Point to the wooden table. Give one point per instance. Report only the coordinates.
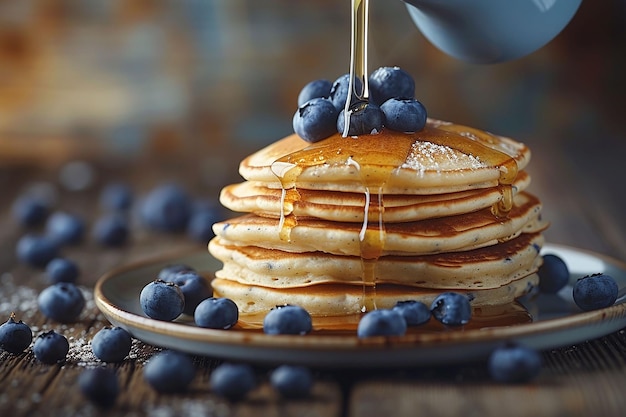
(581, 380)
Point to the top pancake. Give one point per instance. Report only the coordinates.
(442, 158)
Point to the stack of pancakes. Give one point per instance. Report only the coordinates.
(349, 224)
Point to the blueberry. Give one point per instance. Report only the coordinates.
(111, 344)
(30, 210)
(553, 274)
(232, 381)
(195, 289)
(216, 313)
(200, 227)
(166, 208)
(404, 115)
(339, 91)
(292, 381)
(162, 300)
(169, 371)
(100, 386)
(36, 250)
(514, 363)
(390, 82)
(15, 336)
(365, 119)
(170, 271)
(451, 309)
(594, 292)
(314, 89)
(383, 322)
(62, 302)
(111, 230)
(62, 270)
(287, 319)
(315, 120)
(414, 312)
(51, 347)
(116, 197)
(65, 228)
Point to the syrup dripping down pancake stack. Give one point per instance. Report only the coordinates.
(350, 224)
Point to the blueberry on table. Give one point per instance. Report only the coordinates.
(339, 91)
(15, 336)
(169, 371)
(287, 319)
(415, 313)
(162, 300)
(383, 322)
(451, 309)
(111, 230)
(594, 292)
(314, 89)
(365, 119)
(404, 115)
(51, 347)
(168, 272)
(292, 381)
(390, 82)
(514, 363)
(553, 274)
(111, 344)
(200, 226)
(35, 250)
(315, 120)
(30, 210)
(195, 289)
(100, 386)
(65, 228)
(116, 196)
(216, 313)
(166, 208)
(62, 270)
(232, 381)
(62, 302)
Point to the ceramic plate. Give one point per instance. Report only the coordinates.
(556, 321)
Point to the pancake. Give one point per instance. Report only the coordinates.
(454, 233)
(255, 197)
(489, 267)
(339, 299)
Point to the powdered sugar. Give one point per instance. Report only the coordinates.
(428, 156)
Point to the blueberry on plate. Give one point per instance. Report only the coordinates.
(111, 230)
(553, 274)
(62, 302)
(169, 371)
(315, 120)
(168, 272)
(162, 300)
(166, 208)
(35, 250)
(100, 386)
(195, 289)
(390, 82)
(339, 91)
(216, 313)
(15, 336)
(365, 119)
(232, 381)
(287, 319)
(65, 228)
(116, 196)
(404, 115)
(292, 381)
(30, 210)
(51, 347)
(513, 363)
(314, 89)
(62, 270)
(451, 309)
(594, 292)
(111, 344)
(383, 322)
(415, 313)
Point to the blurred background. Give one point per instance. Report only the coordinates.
(189, 87)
